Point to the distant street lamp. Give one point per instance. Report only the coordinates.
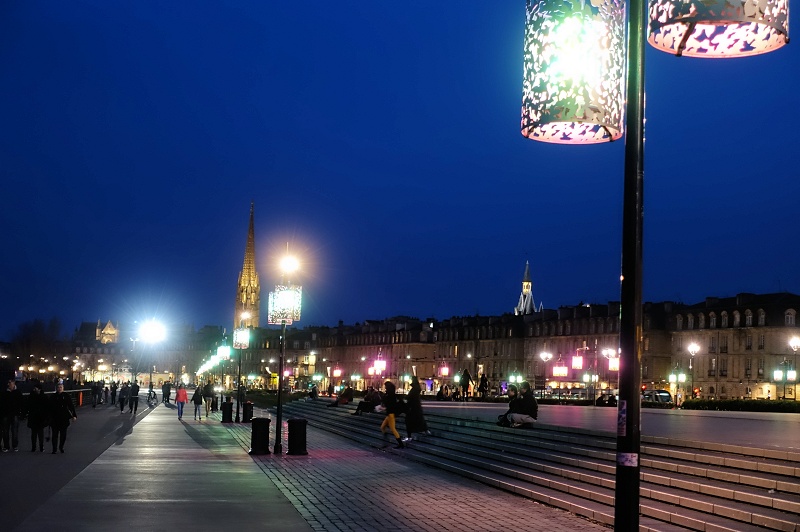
(794, 343)
(284, 309)
(241, 341)
(546, 357)
(152, 332)
(693, 349)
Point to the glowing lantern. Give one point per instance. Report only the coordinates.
(577, 362)
(574, 61)
(718, 28)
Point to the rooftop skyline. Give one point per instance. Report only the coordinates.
(383, 143)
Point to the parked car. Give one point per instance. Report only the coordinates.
(657, 399)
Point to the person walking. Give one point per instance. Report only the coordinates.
(95, 394)
(124, 393)
(181, 398)
(415, 419)
(10, 412)
(62, 411)
(133, 400)
(390, 402)
(197, 400)
(114, 393)
(105, 395)
(483, 387)
(208, 396)
(37, 416)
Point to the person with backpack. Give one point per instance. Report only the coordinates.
(392, 410)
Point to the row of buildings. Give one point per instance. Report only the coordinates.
(729, 347)
(741, 349)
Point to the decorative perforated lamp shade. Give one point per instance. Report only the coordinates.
(285, 304)
(718, 28)
(574, 65)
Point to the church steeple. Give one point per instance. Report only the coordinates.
(526, 304)
(248, 292)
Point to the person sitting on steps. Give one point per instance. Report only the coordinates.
(522, 410)
(371, 400)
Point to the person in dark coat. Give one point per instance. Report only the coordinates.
(483, 387)
(466, 380)
(345, 397)
(502, 419)
(37, 416)
(197, 401)
(133, 399)
(390, 402)
(526, 410)
(11, 410)
(124, 392)
(62, 411)
(415, 420)
(522, 410)
(371, 400)
(114, 393)
(208, 395)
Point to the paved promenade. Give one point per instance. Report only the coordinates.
(156, 473)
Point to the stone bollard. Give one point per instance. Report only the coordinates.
(259, 437)
(297, 436)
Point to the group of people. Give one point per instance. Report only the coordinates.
(523, 410)
(460, 392)
(55, 412)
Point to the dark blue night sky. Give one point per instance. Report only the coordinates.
(381, 140)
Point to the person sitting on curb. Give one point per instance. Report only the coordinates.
(522, 411)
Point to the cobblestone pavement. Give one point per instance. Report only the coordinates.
(343, 486)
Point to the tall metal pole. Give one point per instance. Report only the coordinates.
(239, 386)
(626, 509)
(278, 449)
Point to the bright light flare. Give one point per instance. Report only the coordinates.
(289, 264)
(152, 332)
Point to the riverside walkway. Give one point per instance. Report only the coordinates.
(157, 473)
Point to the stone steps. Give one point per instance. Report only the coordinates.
(685, 487)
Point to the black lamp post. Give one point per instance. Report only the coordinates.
(284, 308)
(563, 102)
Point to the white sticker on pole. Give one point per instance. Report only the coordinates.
(628, 459)
(622, 418)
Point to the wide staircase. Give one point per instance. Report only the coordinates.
(684, 485)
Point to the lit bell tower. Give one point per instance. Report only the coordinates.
(248, 291)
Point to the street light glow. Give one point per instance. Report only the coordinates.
(152, 332)
(289, 264)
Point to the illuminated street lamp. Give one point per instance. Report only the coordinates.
(546, 357)
(152, 332)
(284, 309)
(677, 381)
(693, 349)
(574, 62)
(241, 341)
(794, 343)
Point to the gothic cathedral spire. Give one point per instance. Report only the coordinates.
(248, 292)
(526, 304)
